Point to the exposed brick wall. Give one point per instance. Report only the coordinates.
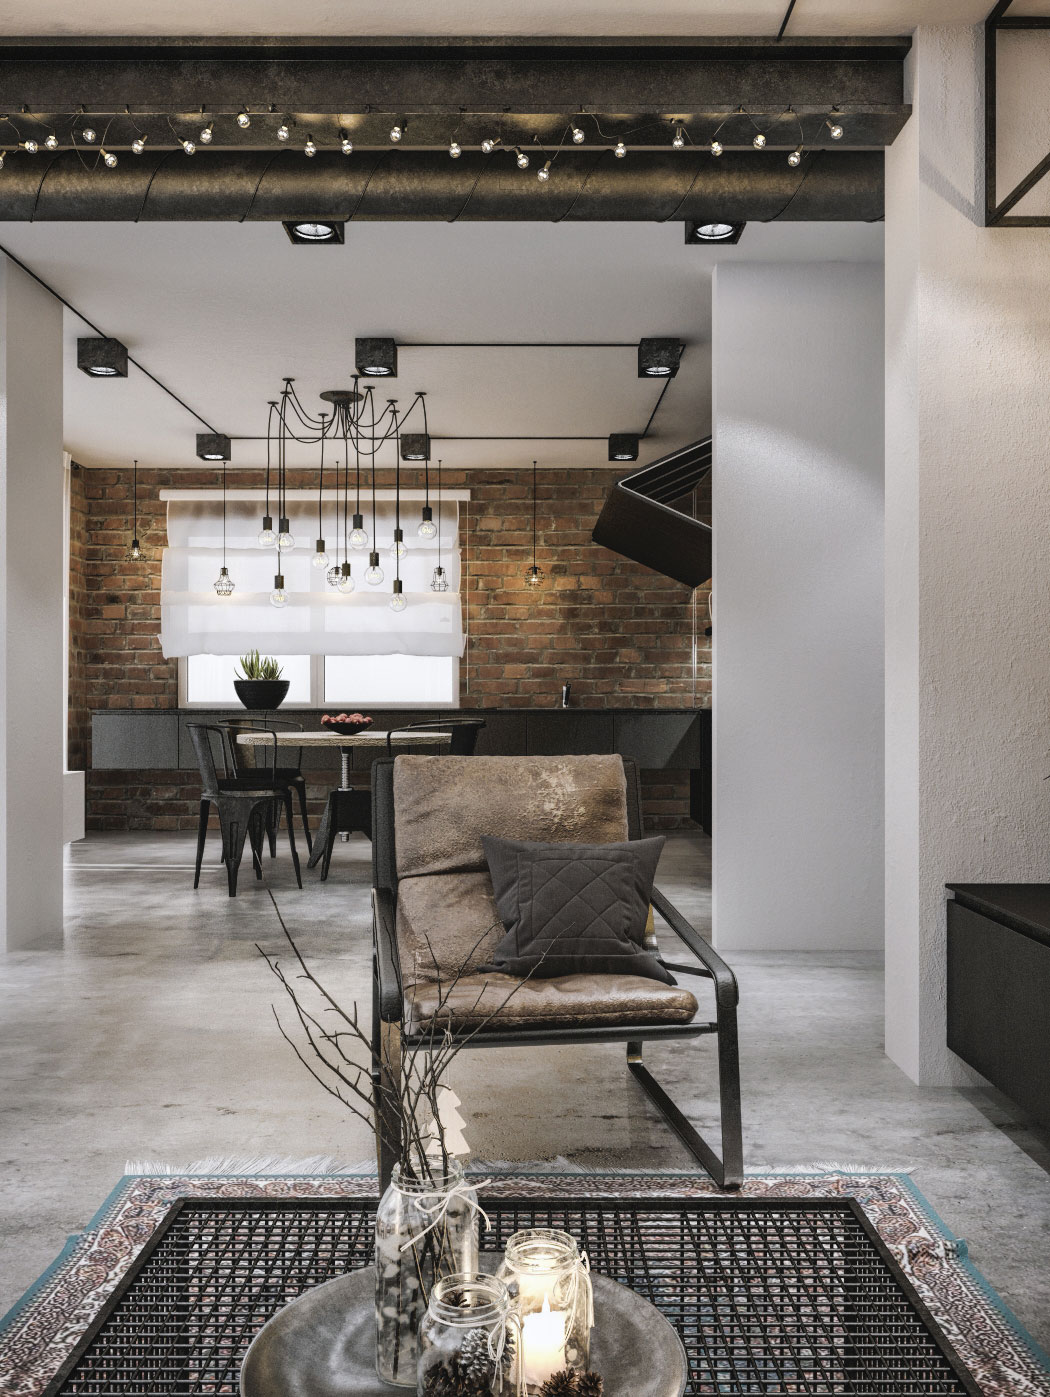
(620, 633)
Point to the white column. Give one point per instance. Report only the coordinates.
(967, 542)
(32, 641)
(797, 509)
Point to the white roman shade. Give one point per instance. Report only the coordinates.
(317, 620)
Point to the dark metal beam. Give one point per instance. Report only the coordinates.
(736, 188)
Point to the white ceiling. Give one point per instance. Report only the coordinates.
(222, 312)
(494, 17)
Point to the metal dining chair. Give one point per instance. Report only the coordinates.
(245, 762)
(246, 806)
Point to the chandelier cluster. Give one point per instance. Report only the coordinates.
(352, 418)
(97, 138)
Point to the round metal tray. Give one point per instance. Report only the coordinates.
(323, 1344)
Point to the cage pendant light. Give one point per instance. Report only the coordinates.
(534, 576)
(224, 582)
(134, 553)
(439, 582)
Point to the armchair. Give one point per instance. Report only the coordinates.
(435, 922)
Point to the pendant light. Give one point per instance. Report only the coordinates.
(398, 600)
(426, 529)
(134, 553)
(358, 537)
(346, 582)
(285, 537)
(224, 582)
(373, 573)
(333, 574)
(267, 537)
(320, 558)
(439, 582)
(534, 576)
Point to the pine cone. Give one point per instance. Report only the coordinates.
(561, 1384)
(589, 1385)
(474, 1356)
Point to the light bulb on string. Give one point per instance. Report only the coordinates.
(521, 159)
(134, 553)
(374, 573)
(455, 150)
(189, 147)
(346, 145)
(489, 144)
(283, 132)
(544, 174)
(396, 133)
(224, 583)
(759, 140)
(427, 529)
(285, 538)
(346, 581)
(30, 147)
(619, 150)
(578, 135)
(2, 154)
(310, 149)
(278, 597)
(109, 159)
(835, 130)
(320, 558)
(138, 145)
(88, 135)
(267, 537)
(51, 141)
(534, 577)
(206, 134)
(716, 147)
(397, 548)
(678, 139)
(795, 158)
(398, 600)
(358, 537)
(243, 119)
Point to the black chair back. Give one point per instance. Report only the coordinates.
(244, 756)
(463, 734)
(201, 735)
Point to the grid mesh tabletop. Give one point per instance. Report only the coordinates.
(786, 1296)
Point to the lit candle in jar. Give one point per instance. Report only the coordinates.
(543, 1343)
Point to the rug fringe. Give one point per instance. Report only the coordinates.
(250, 1164)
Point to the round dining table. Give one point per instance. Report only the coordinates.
(345, 744)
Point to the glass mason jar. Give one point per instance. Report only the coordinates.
(550, 1288)
(468, 1337)
(425, 1229)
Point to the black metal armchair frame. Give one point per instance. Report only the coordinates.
(390, 1039)
(463, 734)
(246, 806)
(282, 775)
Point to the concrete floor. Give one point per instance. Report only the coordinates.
(151, 1037)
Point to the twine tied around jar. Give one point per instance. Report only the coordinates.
(466, 1192)
(574, 1291)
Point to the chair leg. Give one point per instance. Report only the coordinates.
(272, 821)
(234, 832)
(386, 1078)
(330, 834)
(291, 837)
(727, 1172)
(202, 835)
(301, 789)
(256, 834)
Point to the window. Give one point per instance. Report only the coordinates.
(355, 681)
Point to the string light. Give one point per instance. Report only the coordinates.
(455, 150)
(2, 155)
(489, 144)
(346, 145)
(283, 132)
(189, 147)
(108, 157)
(396, 132)
(88, 135)
(206, 134)
(309, 149)
(716, 147)
(51, 141)
(835, 130)
(138, 145)
(521, 159)
(578, 135)
(678, 139)
(795, 158)
(30, 147)
(544, 174)
(759, 140)
(243, 119)
(620, 150)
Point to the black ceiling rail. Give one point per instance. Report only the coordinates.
(997, 212)
(639, 521)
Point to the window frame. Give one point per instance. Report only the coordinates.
(317, 699)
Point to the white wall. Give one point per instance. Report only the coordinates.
(798, 644)
(32, 631)
(967, 543)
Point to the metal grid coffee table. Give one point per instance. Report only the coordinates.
(769, 1296)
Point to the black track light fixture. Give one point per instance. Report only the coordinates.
(623, 446)
(102, 358)
(711, 231)
(659, 358)
(213, 446)
(376, 358)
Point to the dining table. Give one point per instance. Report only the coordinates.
(344, 743)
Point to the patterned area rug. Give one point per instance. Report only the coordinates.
(43, 1328)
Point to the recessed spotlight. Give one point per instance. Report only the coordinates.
(315, 230)
(659, 358)
(213, 446)
(415, 446)
(102, 358)
(376, 358)
(623, 446)
(712, 232)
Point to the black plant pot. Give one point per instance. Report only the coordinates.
(262, 693)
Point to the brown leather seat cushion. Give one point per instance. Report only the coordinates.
(583, 1001)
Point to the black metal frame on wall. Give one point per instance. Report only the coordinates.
(997, 211)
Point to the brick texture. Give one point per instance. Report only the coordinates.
(621, 634)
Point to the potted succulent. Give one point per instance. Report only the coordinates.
(260, 684)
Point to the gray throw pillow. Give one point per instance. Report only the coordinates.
(573, 909)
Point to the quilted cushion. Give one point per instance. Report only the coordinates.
(443, 805)
(502, 1002)
(573, 908)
